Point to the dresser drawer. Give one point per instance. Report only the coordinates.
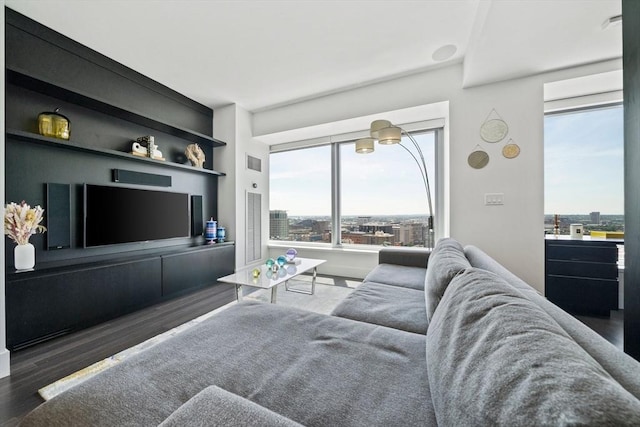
(596, 270)
(581, 252)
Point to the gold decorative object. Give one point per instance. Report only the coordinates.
(511, 150)
(195, 155)
(478, 159)
(493, 129)
(54, 124)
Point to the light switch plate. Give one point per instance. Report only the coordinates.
(494, 199)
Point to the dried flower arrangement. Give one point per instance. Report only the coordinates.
(21, 221)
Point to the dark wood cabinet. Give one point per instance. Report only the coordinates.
(50, 302)
(581, 275)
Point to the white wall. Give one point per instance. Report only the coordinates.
(4, 354)
(232, 124)
(512, 233)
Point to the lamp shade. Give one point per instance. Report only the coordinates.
(364, 145)
(389, 135)
(376, 125)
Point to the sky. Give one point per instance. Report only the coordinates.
(385, 182)
(583, 157)
(583, 172)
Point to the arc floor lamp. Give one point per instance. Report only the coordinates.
(387, 133)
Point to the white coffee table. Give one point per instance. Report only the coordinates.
(270, 280)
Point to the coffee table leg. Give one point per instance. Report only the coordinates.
(274, 292)
(302, 291)
(238, 292)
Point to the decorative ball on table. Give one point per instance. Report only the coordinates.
(281, 260)
(291, 254)
(255, 273)
(270, 262)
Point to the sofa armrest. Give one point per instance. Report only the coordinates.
(214, 406)
(410, 257)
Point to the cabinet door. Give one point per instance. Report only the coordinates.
(191, 270)
(39, 308)
(581, 295)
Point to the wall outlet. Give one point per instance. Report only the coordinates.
(493, 199)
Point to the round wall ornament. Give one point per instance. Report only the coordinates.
(493, 129)
(478, 159)
(511, 150)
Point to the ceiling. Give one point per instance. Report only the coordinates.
(264, 54)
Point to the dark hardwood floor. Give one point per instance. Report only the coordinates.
(38, 366)
(612, 329)
(35, 367)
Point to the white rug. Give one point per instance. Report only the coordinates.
(329, 293)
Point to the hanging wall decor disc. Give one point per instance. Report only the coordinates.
(511, 150)
(494, 130)
(478, 159)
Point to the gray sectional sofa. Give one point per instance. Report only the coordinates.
(442, 338)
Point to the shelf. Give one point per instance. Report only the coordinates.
(75, 97)
(59, 143)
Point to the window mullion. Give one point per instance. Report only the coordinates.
(336, 233)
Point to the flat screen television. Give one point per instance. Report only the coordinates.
(114, 215)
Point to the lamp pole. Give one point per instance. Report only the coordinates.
(387, 134)
(422, 165)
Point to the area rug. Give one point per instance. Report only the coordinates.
(329, 292)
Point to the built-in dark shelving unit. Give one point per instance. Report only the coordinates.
(21, 79)
(62, 144)
(73, 287)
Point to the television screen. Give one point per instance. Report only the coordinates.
(123, 215)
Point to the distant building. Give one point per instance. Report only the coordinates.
(278, 225)
(595, 218)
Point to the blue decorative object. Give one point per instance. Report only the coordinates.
(270, 262)
(222, 234)
(281, 260)
(210, 231)
(291, 254)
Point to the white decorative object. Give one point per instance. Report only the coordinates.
(24, 257)
(21, 221)
(576, 231)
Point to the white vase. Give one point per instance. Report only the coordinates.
(24, 257)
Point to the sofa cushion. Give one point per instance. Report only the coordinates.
(381, 304)
(214, 406)
(495, 358)
(445, 262)
(314, 369)
(398, 275)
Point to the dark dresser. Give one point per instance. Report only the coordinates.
(581, 275)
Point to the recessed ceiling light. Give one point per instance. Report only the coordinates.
(444, 53)
(611, 22)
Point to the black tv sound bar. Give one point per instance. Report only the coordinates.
(131, 177)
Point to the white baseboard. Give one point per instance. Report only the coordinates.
(4, 363)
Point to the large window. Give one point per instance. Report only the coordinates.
(300, 195)
(584, 161)
(381, 195)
